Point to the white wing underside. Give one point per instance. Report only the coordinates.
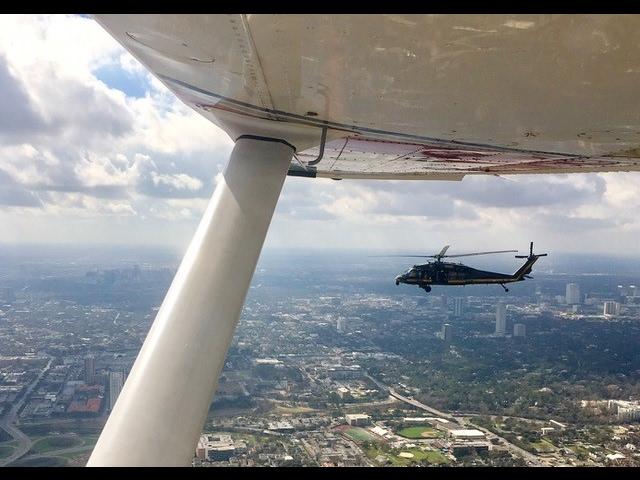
(409, 96)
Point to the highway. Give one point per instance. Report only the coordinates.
(422, 406)
(7, 422)
(411, 401)
(63, 451)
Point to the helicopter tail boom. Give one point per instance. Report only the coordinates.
(525, 269)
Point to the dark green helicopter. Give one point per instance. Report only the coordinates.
(447, 273)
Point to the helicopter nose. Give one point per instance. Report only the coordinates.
(399, 279)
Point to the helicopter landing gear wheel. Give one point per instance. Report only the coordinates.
(397, 283)
(427, 289)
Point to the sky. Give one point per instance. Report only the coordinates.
(95, 150)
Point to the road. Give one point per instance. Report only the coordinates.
(422, 406)
(388, 401)
(7, 422)
(410, 401)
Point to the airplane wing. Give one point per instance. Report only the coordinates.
(409, 96)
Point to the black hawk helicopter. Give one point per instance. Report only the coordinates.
(447, 273)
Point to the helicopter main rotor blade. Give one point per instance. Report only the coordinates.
(437, 255)
(479, 253)
(440, 255)
(405, 256)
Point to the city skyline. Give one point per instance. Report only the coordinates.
(335, 363)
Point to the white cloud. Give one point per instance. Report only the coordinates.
(84, 148)
(180, 181)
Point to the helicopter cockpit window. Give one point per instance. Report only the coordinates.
(412, 273)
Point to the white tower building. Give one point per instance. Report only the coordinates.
(447, 332)
(573, 294)
(611, 308)
(116, 381)
(501, 318)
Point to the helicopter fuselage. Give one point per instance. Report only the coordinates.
(447, 273)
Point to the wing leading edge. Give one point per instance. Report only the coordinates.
(408, 97)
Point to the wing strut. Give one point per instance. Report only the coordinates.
(159, 415)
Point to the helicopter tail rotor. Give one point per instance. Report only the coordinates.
(531, 254)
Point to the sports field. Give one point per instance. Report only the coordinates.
(434, 457)
(419, 432)
(360, 435)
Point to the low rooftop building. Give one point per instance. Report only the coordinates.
(357, 419)
(466, 434)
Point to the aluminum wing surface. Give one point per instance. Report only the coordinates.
(408, 96)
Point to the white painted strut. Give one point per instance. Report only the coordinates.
(160, 413)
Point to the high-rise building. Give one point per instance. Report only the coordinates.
(622, 292)
(447, 332)
(116, 381)
(633, 291)
(90, 370)
(501, 318)
(611, 308)
(444, 302)
(341, 324)
(458, 306)
(519, 330)
(573, 294)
